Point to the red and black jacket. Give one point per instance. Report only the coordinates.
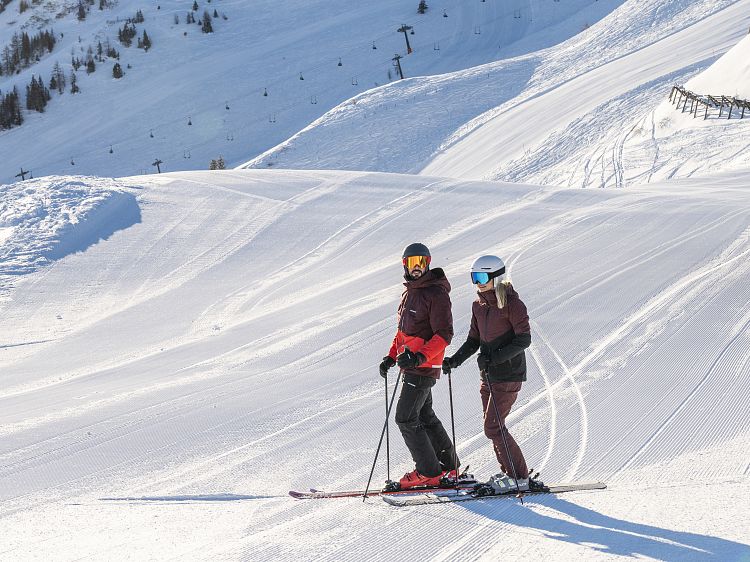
(425, 321)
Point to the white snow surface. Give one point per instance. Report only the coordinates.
(179, 351)
(167, 380)
(729, 75)
(43, 220)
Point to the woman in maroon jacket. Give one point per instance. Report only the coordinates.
(500, 331)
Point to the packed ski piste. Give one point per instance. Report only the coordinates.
(500, 332)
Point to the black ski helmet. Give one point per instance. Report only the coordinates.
(416, 249)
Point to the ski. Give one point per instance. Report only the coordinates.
(466, 494)
(320, 494)
(466, 482)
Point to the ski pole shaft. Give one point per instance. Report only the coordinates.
(501, 423)
(382, 434)
(453, 427)
(387, 432)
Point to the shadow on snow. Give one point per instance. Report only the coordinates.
(610, 535)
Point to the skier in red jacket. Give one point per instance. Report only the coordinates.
(425, 328)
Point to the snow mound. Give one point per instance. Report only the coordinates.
(729, 76)
(42, 220)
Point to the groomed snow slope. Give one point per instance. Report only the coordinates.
(161, 390)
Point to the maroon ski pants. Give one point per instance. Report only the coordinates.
(505, 394)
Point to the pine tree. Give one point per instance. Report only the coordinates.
(146, 41)
(90, 66)
(59, 77)
(195, 5)
(37, 95)
(81, 11)
(10, 110)
(74, 89)
(422, 7)
(117, 71)
(206, 26)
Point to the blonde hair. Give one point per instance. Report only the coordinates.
(501, 292)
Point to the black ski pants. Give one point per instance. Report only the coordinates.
(423, 433)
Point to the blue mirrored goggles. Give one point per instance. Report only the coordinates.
(482, 277)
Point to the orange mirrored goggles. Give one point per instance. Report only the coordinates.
(416, 261)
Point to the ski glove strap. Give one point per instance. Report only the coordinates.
(409, 360)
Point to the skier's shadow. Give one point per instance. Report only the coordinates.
(609, 535)
(188, 498)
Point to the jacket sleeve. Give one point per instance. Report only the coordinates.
(441, 322)
(519, 319)
(393, 351)
(467, 349)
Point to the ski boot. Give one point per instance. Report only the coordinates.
(448, 480)
(501, 483)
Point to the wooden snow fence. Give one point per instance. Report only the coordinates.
(680, 95)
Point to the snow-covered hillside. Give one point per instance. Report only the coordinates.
(163, 387)
(567, 115)
(217, 81)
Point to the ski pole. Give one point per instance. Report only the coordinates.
(453, 427)
(387, 432)
(502, 433)
(382, 433)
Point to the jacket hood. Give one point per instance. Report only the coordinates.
(433, 278)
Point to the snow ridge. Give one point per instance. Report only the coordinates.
(43, 220)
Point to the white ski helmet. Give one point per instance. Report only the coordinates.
(485, 268)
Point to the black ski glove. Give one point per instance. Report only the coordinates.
(449, 364)
(483, 361)
(409, 360)
(386, 364)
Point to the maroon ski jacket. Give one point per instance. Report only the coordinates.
(502, 334)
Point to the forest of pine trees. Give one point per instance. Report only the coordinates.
(24, 50)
